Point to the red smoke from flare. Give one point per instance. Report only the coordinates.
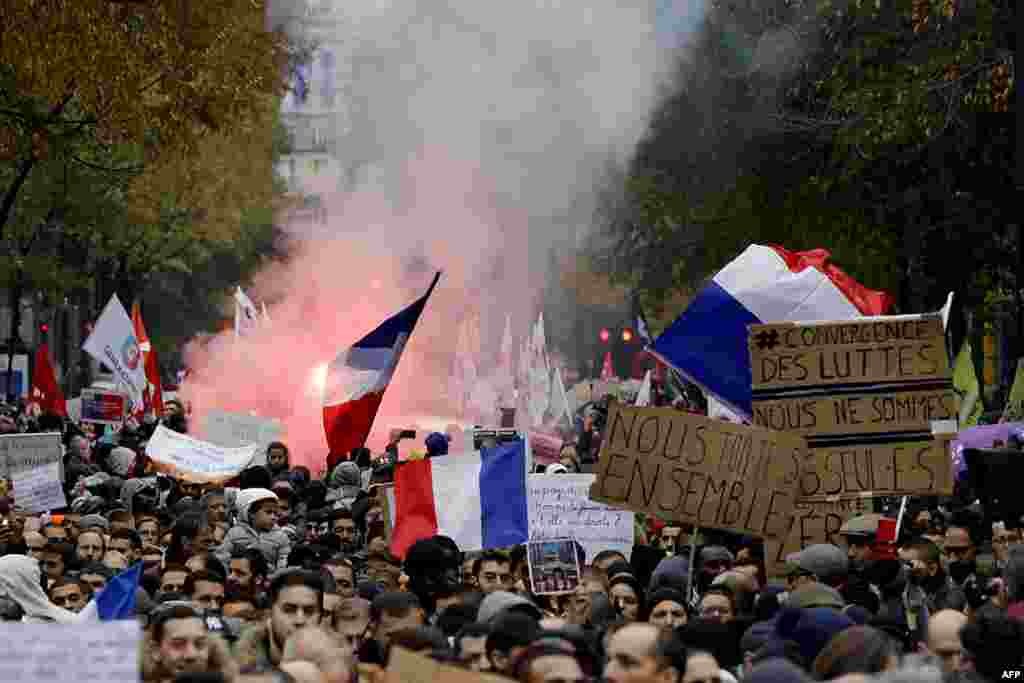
(373, 258)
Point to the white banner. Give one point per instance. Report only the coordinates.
(184, 457)
(39, 489)
(560, 507)
(23, 452)
(113, 343)
(57, 653)
(234, 430)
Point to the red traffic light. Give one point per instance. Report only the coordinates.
(44, 328)
(627, 335)
(605, 335)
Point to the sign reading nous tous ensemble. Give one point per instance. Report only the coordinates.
(688, 468)
(865, 394)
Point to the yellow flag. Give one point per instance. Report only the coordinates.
(1014, 410)
(967, 388)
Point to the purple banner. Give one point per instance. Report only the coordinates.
(983, 436)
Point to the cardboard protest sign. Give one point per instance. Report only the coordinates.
(405, 666)
(559, 507)
(867, 395)
(896, 468)
(692, 469)
(23, 452)
(554, 566)
(103, 407)
(104, 652)
(813, 522)
(184, 457)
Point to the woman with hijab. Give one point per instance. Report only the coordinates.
(21, 580)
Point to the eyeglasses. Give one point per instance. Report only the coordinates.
(715, 611)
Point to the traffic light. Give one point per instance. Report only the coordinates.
(627, 335)
(43, 328)
(605, 335)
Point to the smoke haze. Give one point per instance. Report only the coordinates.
(478, 130)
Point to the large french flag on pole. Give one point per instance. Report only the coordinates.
(708, 342)
(477, 499)
(357, 378)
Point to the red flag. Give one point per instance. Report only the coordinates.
(153, 395)
(45, 390)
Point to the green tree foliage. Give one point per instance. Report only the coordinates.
(855, 126)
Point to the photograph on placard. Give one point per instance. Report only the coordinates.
(554, 566)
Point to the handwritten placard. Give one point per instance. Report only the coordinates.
(39, 489)
(105, 652)
(902, 468)
(856, 352)
(560, 507)
(689, 468)
(20, 452)
(866, 394)
(813, 522)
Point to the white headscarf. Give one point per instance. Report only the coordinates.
(20, 581)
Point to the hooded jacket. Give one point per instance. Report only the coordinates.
(274, 544)
(344, 485)
(20, 578)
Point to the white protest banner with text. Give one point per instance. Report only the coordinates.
(39, 489)
(182, 456)
(234, 430)
(21, 452)
(106, 652)
(560, 507)
(113, 343)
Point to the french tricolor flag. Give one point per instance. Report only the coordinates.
(764, 284)
(477, 499)
(357, 378)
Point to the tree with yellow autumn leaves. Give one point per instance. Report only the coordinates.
(135, 135)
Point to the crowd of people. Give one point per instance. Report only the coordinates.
(281, 576)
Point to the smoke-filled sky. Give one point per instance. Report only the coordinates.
(481, 128)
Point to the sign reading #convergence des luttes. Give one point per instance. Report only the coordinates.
(865, 394)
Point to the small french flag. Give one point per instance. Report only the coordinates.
(357, 378)
(708, 342)
(477, 499)
(117, 599)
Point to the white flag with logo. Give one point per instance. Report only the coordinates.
(643, 396)
(247, 317)
(114, 344)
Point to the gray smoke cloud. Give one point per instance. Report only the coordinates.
(473, 135)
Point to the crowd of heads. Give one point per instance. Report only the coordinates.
(279, 575)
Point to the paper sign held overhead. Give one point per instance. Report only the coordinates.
(709, 473)
(39, 489)
(559, 507)
(23, 452)
(184, 457)
(106, 652)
